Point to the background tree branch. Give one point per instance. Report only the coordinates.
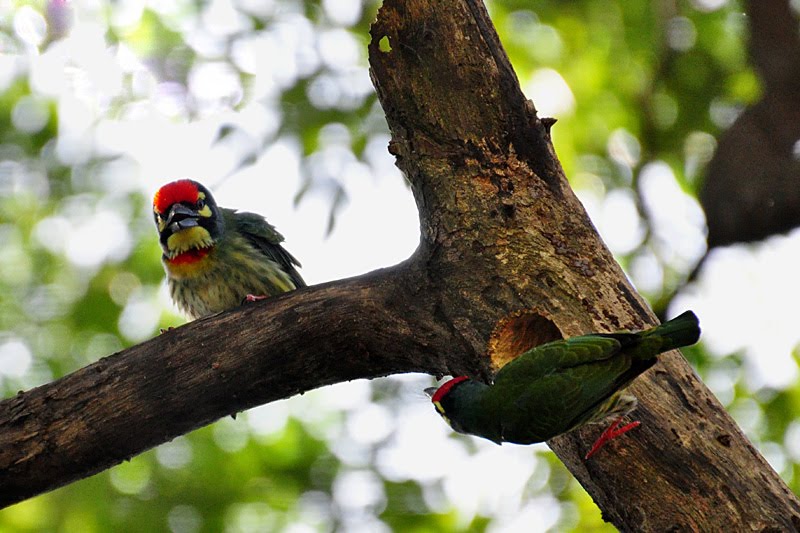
(501, 231)
(752, 187)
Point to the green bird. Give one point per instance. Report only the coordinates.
(556, 387)
(215, 258)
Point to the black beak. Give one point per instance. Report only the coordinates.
(430, 391)
(180, 217)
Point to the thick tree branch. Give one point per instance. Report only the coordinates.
(124, 404)
(501, 231)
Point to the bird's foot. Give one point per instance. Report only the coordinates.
(164, 330)
(253, 298)
(611, 433)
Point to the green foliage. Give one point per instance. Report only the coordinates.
(633, 85)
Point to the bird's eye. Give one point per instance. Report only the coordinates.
(201, 203)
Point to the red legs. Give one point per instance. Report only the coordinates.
(611, 433)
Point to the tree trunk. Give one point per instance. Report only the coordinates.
(501, 232)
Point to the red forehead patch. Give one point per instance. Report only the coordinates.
(444, 389)
(172, 193)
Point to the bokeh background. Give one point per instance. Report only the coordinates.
(269, 103)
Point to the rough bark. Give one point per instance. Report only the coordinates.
(494, 202)
(501, 232)
(378, 324)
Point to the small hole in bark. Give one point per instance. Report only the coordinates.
(384, 45)
(519, 332)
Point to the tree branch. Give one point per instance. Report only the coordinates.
(379, 324)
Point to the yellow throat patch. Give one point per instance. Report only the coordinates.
(188, 239)
(189, 252)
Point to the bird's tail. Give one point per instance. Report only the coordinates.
(683, 330)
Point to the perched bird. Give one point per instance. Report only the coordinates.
(559, 386)
(215, 257)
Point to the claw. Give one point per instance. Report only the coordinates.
(611, 433)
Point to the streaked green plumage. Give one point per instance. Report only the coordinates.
(556, 387)
(221, 255)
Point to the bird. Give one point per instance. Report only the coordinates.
(556, 387)
(216, 258)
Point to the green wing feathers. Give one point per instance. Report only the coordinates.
(557, 386)
(267, 240)
(560, 355)
(557, 356)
